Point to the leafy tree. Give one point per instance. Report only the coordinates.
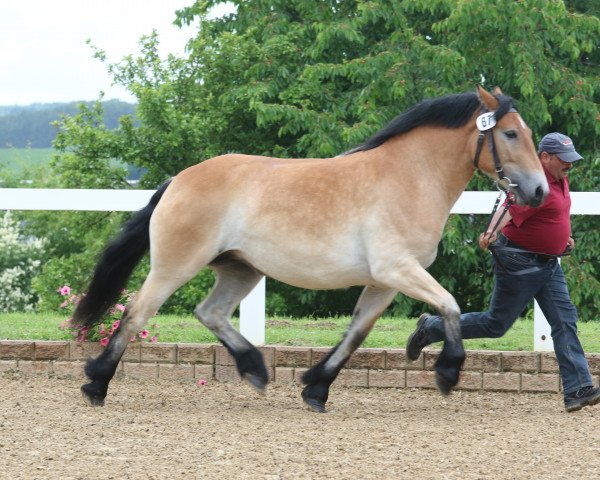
(299, 78)
(547, 58)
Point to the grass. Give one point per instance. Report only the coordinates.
(387, 333)
(19, 159)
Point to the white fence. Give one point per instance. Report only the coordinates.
(252, 309)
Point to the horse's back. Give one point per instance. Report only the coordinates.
(277, 187)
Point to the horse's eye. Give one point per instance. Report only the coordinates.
(511, 134)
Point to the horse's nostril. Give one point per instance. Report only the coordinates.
(540, 194)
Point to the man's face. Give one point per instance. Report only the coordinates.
(555, 166)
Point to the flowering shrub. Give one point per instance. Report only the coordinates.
(20, 261)
(105, 330)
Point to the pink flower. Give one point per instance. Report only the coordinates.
(102, 330)
(83, 334)
(119, 307)
(144, 333)
(64, 290)
(201, 382)
(132, 339)
(110, 331)
(154, 339)
(104, 342)
(116, 324)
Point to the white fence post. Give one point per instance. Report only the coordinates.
(252, 308)
(542, 340)
(252, 314)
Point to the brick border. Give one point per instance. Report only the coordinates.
(368, 367)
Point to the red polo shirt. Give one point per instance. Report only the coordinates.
(545, 229)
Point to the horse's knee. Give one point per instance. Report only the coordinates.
(208, 316)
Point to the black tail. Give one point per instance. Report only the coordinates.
(116, 264)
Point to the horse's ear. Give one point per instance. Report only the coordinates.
(497, 91)
(487, 99)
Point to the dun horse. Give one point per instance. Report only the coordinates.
(373, 216)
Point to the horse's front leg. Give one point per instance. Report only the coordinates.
(412, 279)
(450, 361)
(371, 304)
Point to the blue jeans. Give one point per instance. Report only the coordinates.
(543, 280)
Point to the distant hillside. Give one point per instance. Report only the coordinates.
(22, 126)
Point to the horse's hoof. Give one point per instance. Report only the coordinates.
(314, 404)
(91, 398)
(258, 383)
(443, 385)
(314, 397)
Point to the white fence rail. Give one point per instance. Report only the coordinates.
(252, 309)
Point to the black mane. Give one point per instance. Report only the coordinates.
(452, 111)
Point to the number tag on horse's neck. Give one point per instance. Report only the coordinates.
(485, 121)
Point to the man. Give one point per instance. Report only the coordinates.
(526, 267)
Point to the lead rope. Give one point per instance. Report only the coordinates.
(509, 202)
(492, 248)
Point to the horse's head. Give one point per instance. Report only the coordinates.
(510, 157)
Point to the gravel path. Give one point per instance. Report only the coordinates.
(154, 430)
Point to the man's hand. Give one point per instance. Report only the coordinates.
(486, 238)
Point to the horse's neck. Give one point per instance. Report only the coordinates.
(436, 158)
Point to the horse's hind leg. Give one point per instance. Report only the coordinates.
(371, 304)
(235, 280)
(156, 289)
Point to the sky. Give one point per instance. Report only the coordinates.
(44, 56)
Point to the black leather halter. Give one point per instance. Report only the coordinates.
(503, 181)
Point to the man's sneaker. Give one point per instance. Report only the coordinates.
(581, 398)
(418, 339)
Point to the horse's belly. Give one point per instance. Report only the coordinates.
(322, 271)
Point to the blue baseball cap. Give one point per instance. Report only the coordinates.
(560, 145)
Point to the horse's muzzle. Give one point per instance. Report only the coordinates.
(530, 190)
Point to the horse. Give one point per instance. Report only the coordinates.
(372, 216)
